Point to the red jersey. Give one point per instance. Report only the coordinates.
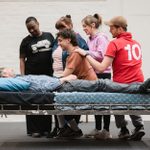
(127, 59)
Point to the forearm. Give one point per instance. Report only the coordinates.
(99, 66)
(22, 66)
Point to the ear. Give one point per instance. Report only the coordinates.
(93, 25)
(69, 40)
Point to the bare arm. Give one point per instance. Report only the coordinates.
(68, 78)
(101, 67)
(22, 66)
(67, 72)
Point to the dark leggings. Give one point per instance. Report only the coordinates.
(106, 118)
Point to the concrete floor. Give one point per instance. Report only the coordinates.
(13, 136)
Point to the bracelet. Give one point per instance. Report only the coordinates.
(86, 54)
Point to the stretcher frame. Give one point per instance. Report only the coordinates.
(54, 108)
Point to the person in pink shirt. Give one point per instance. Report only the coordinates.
(125, 55)
(97, 43)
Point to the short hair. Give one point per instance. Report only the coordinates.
(118, 21)
(31, 18)
(68, 34)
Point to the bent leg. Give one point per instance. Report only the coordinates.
(120, 121)
(137, 120)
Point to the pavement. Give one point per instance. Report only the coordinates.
(13, 136)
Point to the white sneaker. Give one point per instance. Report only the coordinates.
(103, 135)
(91, 133)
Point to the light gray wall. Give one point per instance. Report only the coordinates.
(13, 15)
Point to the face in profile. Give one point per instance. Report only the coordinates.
(63, 43)
(87, 29)
(7, 72)
(33, 28)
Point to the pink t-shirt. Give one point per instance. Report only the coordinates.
(97, 47)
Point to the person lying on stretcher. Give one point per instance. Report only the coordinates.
(9, 81)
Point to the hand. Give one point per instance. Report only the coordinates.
(68, 78)
(81, 51)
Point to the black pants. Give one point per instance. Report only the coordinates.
(106, 118)
(70, 117)
(38, 123)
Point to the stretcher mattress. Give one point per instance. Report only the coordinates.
(102, 100)
(77, 102)
(26, 98)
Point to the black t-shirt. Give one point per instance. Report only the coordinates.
(37, 52)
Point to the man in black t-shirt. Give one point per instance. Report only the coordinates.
(36, 59)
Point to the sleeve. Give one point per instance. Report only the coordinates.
(13, 84)
(55, 45)
(81, 42)
(73, 61)
(99, 49)
(111, 50)
(22, 49)
(52, 40)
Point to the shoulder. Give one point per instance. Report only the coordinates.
(79, 37)
(75, 54)
(27, 38)
(47, 33)
(13, 84)
(102, 36)
(49, 36)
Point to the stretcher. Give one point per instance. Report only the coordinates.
(74, 103)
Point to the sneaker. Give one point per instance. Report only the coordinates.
(137, 134)
(36, 135)
(124, 133)
(145, 86)
(76, 134)
(67, 132)
(53, 133)
(64, 132)
(103, 135)
(92, 133)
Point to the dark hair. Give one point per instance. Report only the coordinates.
(68, 34)
(31, 18)
(124, 28)
(64, 20)
(96, 18)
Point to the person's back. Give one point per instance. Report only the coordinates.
(82, 68)
(127, 59)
